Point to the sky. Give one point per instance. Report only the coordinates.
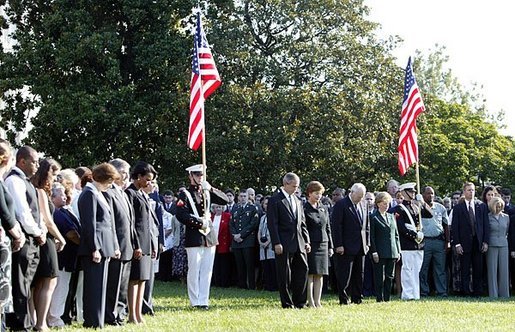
(477, 35)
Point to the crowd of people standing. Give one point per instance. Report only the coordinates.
(87, 244)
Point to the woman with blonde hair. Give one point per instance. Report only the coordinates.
(497, 256)
(385, 246)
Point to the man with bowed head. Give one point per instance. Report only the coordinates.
(290, 238)
(350, 240)
(200, 238)
(470, 232)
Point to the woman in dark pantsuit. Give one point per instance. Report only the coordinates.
(142, 175)
(384, 246)
(319, 228)
(98, 243)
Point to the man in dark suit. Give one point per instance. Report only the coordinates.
(470, 231)
(158, 242)
(243, 226)
(350, 240)
(119, 269)
(290, 238)
(509, 209)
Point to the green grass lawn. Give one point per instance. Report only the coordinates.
(238, 310)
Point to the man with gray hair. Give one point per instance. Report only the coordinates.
(119, 269)
(350, 238)
(290, 238)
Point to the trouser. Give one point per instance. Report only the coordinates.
(117, 287)
(349, 273)
(474, 258)
(383, 278)
(56, 309)
(245, 267)
(148, 302)
(434, 252)
(410, 270)
(498, 274)
(269, 274)
(222, 270)
(292, 278)
(24, 266)
(94, 295)
(200, 269)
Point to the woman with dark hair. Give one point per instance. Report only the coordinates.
(45, 279)
(142, 175)
(319, 228)
(98, 242)
(488, 193)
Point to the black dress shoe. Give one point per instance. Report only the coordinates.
(113, 323)
(203, 307)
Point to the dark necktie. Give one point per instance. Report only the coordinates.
(472, 217)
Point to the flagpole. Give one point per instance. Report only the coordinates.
(204, 168)
(417, 174)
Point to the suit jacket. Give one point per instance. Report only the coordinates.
(244, 221)
(346, 227)
(6, 208)
(384, 236)
(159, 210)
(461, 230)
(142, 220)
(193, 238)
(511, 234)
(123, 216)
(98, 231)
(318, 224)
(498, 230)
(286, 229)
(224, 233)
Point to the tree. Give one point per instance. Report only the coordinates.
(109, 79)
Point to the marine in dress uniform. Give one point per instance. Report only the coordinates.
(411, 238)
(200, 247)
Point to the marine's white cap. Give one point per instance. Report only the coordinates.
(407, 186)
(195, 168)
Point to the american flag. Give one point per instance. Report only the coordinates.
(204, 81)
(412, 106)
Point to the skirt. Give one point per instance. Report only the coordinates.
(318, 258)
(48, 261)
(141, 268)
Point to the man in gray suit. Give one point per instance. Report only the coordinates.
(119, 269)
(290, 238)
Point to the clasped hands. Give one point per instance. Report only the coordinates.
(237, 238)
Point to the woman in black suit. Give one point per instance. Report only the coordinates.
(384, 246)
(142, 175)
(319, 228)
(98, 243)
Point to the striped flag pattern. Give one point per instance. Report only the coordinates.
(412, 106)
(204, 81)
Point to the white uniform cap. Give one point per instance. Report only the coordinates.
(407, 186)
(195, 168)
